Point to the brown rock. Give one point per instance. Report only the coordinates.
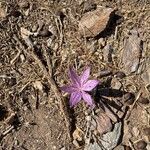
(147, 131)
(115, 84)
(107, 53)
(104, 124)
(44, 33)
(127, 148)
(143, 100)
(92, 23)
(141, 145)
(120, 74)
(132, 53)
(128, 98)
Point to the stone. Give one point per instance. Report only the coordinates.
(94, 22)
(132, 52)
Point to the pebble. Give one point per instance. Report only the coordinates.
(141, 145)
(34, 28)
(120, 75)
(128, 148)
(102, 42)
(22, 58)
(147, 131)
(107, 53)
(143, 100)
(116, 84)
(44, 33)
(129, 98)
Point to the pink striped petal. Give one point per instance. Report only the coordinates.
(89, 85)
(85, 75)
(74, 77)
(87, 98)
(68, 88)
(75, 98)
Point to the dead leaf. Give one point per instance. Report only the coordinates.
(92, 23)
(104, 124)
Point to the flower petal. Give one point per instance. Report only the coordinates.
(75, 98)
(68, 88)
(87, 98)
(89, 85)
(85, 75)
(74, 77)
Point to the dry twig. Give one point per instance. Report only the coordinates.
(48, 76)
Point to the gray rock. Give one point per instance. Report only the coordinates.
(132, 53)
(110, 139)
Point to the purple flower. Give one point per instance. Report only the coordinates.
(79, 87)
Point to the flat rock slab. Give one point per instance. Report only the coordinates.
(132, 53)
(108, 141)
(93, 23)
